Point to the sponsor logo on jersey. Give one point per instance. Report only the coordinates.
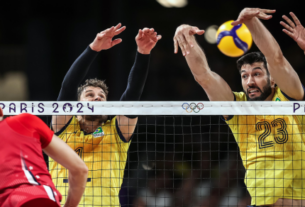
(98, 132)
(277, 99)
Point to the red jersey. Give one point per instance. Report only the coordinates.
(22, 139)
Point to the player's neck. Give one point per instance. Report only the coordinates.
(89, 126)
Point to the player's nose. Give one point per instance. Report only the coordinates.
(97, 98)
(250, 81)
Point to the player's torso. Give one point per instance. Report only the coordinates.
(105, 158)
(262, 137)
(278, 136)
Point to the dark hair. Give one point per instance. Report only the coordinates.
(251, 58)
(94, 83)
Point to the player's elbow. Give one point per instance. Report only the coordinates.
(80, 170)
(203, 80)
(276, 58)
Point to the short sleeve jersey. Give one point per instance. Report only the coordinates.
(272, 148)
(22, 163)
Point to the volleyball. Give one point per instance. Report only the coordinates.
(233, 41)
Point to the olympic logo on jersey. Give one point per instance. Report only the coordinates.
(192, 107)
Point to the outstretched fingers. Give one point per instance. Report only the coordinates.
(120, 30)
(289, 33)
(236, 22)
(264, 16)
(182, 44)
(295, 19)
(264, 13)
(115, 42)
(289, 21)
(268, 11)
(175, 46)
(287, 27)
(140, 34)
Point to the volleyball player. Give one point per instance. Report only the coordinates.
(25, 180)
(270, 146)
(101, 143)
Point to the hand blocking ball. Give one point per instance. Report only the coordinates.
(233, 41)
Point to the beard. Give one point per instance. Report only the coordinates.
(99, 118)
(267, 90)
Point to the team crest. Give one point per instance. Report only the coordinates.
(277, 99)
(98, 132)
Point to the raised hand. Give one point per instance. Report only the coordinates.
(248, 13)
(103, 40)
(146, 40)
(295, 30)
(184, 38)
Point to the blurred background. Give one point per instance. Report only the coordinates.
(39, 40)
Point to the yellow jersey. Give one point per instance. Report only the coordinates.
(272, 148)
(104, 152)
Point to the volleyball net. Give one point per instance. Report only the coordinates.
(183, 153)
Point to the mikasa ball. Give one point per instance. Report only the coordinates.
(233, 41)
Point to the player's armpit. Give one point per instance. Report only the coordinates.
(58, 122)
(127, 126)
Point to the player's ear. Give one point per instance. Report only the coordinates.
(273, 84)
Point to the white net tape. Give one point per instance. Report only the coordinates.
(154, 108)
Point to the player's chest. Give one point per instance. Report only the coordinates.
(268, 131)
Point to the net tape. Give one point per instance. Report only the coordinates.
(154, 108)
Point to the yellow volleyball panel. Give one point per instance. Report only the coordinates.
(228, 47)
(244, 34)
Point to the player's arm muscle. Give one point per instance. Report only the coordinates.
(78, 171)
(280, 69)
(215, 86)
(127, 126)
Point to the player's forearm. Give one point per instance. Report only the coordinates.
(77, 184)
(198, 63)
(76, 74)
(264, 39)
(137, 78)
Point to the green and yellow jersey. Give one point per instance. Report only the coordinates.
(104, 152)
(272, 148)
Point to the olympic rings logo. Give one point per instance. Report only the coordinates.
(192, 107)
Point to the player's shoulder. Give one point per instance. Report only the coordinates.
(240, 96)
(110, 122)
(24, 117)
(279, 95)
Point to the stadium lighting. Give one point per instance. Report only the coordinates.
(173, 3)
(210, 34)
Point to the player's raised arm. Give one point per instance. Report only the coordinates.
(80, 67)
(294, 29)
(146, 40)
(280, 69)
(78, 171)
(216, 87)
